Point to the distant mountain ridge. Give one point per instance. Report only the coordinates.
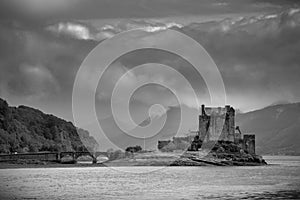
(277, 128)
(25, 129)
(169, 130)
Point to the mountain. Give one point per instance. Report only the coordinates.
(277, 128)
(25, 129)
(158, 131)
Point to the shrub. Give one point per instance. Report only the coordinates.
(134, 149)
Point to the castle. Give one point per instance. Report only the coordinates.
(218, 124)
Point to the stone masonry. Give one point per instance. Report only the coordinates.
(217, 124)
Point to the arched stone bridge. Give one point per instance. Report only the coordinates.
(76, 155)
(52, 156)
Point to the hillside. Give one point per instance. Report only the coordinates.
(24, 129)
(277, 128)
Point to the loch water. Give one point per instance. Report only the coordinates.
(278, 180)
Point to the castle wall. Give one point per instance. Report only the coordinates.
(216, 128)
(217, 124)
(204, 123)
(238, 135)
(249, 143)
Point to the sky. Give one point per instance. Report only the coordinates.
(255, 45)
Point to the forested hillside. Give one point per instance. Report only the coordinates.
(25, 129)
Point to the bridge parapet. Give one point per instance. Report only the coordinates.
(44, 156)
(51, 156)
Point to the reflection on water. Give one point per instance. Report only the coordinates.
(280, 180)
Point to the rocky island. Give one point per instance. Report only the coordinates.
(222, 154)
(218, 141)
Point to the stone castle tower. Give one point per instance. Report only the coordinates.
(218, 124)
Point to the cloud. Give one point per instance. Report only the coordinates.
(78, 31)
(110, 78)
(36, 10)
(81, 31)
(257, 56)
(38, 68)
(33, 83)
(147, 25)
(37, 81)
(85, 31)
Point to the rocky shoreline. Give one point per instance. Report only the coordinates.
(190, 158)
(213, 160)
(222, 154)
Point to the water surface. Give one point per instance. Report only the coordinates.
(279, 180)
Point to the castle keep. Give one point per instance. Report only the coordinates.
(218, 124)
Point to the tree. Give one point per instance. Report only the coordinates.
(134, 149)
(33, 148)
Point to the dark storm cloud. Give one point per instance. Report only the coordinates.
(36, 10)
(257, 56)
(37, 66)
